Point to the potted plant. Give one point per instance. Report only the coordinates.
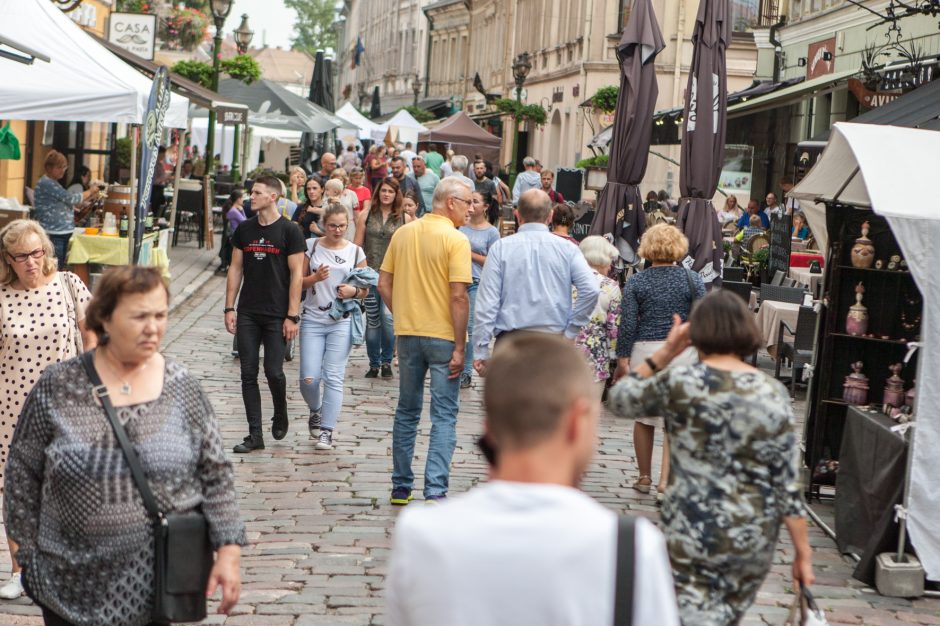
(595, 171)
(760, 260)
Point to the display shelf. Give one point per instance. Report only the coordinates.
(874, 269)
(878, 339)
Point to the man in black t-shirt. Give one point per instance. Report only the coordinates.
(269, 254)
(488, 188)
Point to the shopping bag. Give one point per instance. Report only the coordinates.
(804, 612)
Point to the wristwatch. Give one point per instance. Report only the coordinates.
(294, 318)
(228, 309)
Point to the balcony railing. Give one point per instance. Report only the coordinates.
(769, 13)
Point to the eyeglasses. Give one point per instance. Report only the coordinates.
(469, 202)
(38, 253)
(338, 226)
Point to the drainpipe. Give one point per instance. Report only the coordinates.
(778, 49)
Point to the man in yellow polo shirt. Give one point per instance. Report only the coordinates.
(423, 281)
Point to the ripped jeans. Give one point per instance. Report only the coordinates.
(324, 351)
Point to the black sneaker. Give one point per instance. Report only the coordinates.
(279, 427)
(386, 371)
(313, 424)
(373, 372)
(465, 381)
(250, 444)
(325, 441)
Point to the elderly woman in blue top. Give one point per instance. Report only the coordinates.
(55, 207)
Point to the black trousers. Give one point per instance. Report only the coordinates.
(252, 331)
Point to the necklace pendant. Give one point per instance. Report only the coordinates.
(125, 389)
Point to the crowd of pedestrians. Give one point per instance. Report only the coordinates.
(397, 250)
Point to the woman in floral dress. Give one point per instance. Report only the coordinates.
(734, 456)
(598, 339)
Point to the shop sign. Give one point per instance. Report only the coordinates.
(906, 78)
(821, 58)
(229, 116)
(135, 32)
(736, 172)
(869, 98)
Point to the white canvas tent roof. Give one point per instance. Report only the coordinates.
(893, 171)
(402, 127)
(83, 81)
(349, 113)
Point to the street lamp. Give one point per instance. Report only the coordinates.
(521, 67)
(220, 11)
(416, 88)
(243, 35)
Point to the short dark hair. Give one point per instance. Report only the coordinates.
(115, 283)
(530, 382)
(398, 158)
(562, 215)
(721, 323)
(786, 180)
(271, 182)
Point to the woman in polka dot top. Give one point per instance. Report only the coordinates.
(41, 312)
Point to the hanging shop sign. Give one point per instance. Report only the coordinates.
(871, 99)
(135, 32)
(229, 116)
(821, 58)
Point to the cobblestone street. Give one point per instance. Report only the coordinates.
(320, 523)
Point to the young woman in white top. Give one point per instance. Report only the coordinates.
(324, 342)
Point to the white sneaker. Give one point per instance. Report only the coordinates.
(325, 442)
(13, 589)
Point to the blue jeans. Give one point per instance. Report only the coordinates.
(60, 244)
(416, 356)
(324, 351)
(380, 333)
(468, 351)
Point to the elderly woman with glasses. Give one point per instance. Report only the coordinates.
(42, 321)
(55, 207)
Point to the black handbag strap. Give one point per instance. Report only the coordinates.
(623, 589)
(101, 392)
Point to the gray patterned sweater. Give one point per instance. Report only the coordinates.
(71, 504)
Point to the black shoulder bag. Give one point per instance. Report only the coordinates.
(623, 589)
(183, 553)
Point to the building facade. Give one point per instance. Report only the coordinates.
(394, 36)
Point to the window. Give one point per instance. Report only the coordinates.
(745, 14)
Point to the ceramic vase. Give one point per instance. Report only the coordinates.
(863, 251)
(855, 389)
(894, 387)
(856, 323)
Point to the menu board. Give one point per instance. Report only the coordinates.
(582, 226)
(780, 230)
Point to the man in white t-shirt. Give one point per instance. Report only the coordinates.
(527, 547)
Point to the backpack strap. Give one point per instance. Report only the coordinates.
(623, 589)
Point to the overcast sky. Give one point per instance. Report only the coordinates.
(270, 19)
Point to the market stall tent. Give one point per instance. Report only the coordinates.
(275, 142)
(365, 126)
(893, 171)
(83, 81)
(464, 136)
(401, 128)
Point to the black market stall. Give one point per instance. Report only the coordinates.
(864, 200)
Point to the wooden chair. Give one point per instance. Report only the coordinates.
(800, 351)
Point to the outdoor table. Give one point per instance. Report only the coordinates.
(769, 316)
(802, 259)
(85, 249)
(870, 481)
(803, 276)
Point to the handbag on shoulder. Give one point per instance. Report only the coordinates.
(183, 554)
(804, 612)
(623, 590)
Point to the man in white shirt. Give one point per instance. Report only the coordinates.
(790, 205)
(408, 154)
(527, 547)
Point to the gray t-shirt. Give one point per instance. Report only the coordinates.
(320, 296)
(480, 241)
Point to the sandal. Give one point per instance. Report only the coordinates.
(643, 483)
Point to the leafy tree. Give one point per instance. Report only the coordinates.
(314, 24)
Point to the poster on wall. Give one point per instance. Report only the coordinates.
(736, 173)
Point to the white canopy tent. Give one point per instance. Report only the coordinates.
(893, 171)
(401, 128)
(83, 81)
(275, 142)
(349, 113)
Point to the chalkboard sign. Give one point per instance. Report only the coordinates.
(579, 230)
(780, 231)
